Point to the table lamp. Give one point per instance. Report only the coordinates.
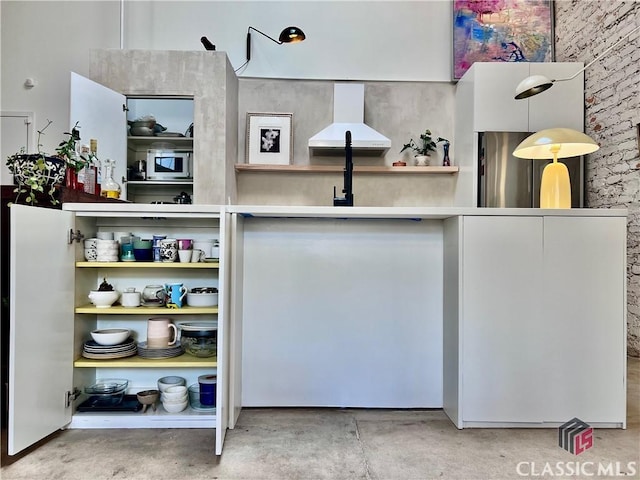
(554, 143)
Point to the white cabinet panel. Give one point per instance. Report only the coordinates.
(501, 319)
(495, 109)
(342, 313)
(41, 319)
(563, 104)
(584, 297)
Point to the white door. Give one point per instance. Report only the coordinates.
(101, 114)
(41, 322)
(501, 327)
(222, 400)
(17, 133)
(584, 292)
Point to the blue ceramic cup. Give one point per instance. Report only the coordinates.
(175, 294)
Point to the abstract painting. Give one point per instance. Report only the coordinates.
(501, 31)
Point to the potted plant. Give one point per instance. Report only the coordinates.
(423, 147)
(40, 172)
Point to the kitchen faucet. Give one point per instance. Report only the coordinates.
(347, 200)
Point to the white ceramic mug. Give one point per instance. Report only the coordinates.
(130, 298)
(185, 255)
(196, 254)
(159, 332)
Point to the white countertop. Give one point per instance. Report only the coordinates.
(287, 211)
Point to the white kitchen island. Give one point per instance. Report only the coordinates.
(503, 317)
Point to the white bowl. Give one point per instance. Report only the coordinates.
(170, 381)
(110, 336)
(174, 407)
(103, 299)
(202, 299)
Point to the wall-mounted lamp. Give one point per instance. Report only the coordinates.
(288, 35)
(207, 44)
(539, 83)
(555, 188)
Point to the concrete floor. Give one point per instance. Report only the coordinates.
(332, 444)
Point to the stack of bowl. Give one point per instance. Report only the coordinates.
(174, 399)
(91, 249)
(173, 393)
(107, 250)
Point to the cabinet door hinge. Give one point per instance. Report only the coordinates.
(124, 108)
(75, 235)
(71, 396)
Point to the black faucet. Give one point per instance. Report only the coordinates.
(347, 200)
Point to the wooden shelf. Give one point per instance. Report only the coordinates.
(185, 360)
(247, 167)
(120, 310)
(199, 265)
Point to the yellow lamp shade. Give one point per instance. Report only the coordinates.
(555, 187)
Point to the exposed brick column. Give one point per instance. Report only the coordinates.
(585, 28)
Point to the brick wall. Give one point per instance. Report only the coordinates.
(584, 29)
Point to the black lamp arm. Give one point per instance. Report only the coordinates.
(249, 40)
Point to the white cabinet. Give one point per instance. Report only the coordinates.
(535, 327)
(47, 335)
(494, 108)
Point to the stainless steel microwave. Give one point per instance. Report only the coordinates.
(169, 164)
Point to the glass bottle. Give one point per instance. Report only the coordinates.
(110, 188)
(88, 172)
(95, 161)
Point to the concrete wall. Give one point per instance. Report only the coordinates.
(398, 110)
(584, 29)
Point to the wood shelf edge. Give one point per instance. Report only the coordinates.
(246, 167)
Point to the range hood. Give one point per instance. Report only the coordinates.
(348, 114)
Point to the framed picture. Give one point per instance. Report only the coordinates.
(269, 138)
(501, 31)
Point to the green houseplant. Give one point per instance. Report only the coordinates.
(40, 172)
(423, 147)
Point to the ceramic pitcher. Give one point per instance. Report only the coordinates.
(175, 294)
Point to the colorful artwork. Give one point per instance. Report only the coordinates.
(501, 31)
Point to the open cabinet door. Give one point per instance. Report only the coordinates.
(101, 114)
(222, 400)
(41, 323)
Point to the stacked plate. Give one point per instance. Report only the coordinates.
(92, 349)
(157, 353)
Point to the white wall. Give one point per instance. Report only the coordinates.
(355, 40)
(364, 40)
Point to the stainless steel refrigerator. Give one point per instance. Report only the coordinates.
(509, 182)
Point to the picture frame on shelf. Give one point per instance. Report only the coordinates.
(269, 139)
(505, 31)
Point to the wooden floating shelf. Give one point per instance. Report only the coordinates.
(199, 265)
(120, 310)
(183, 360)
(247, 167)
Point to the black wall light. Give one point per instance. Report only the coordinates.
(288, 35)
